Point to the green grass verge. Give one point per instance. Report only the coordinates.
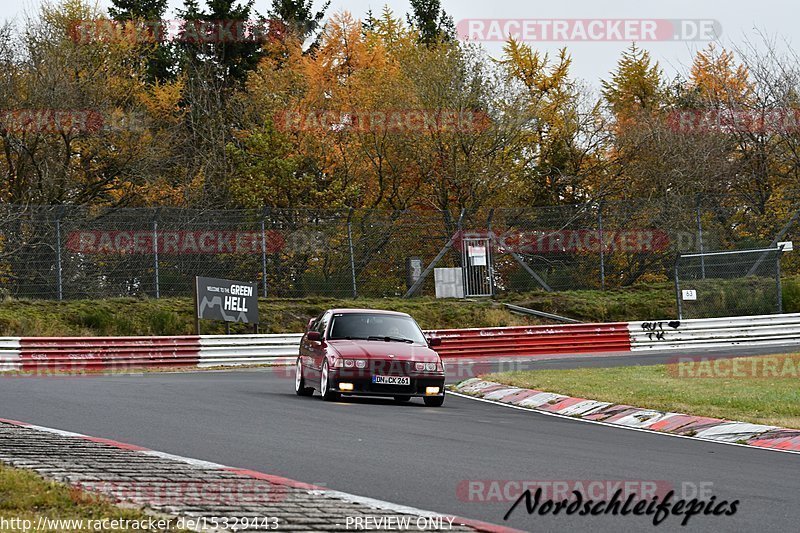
(27, 496)
(763, 400)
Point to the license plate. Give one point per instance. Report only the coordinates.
(391, 380)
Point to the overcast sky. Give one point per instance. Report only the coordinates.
(738, 19)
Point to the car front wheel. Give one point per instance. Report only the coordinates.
(300, 382)
(324, 385)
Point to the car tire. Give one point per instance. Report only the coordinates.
(402, 399)
(434, 401)
(327, 395)
(300, 381)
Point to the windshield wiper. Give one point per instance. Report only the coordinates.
(388, 338)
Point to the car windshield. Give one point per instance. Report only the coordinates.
(367, 326)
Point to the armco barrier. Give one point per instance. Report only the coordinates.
(762, 330)
(533, 340)
(9, 353)
(216, 350)
(99, 353)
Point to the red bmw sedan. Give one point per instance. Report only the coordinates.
(369, 353)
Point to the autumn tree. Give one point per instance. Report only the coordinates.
(431, 22)
(155, 50)
(88, 136)
(222, 40)
(299, 19)
(635, 85)
(716, 78)
(564, 131)
(767, 160)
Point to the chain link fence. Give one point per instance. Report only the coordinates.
(68, 252)
(735, 283)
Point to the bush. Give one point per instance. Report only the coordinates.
(791, 295)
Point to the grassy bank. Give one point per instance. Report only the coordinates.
(763, 400)
(26, 496)
(657, 300)
(173, 316)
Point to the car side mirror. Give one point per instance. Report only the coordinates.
(314, 336)
(434, 341)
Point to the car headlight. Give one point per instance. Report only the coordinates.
(350, 363)
(430, 367)
(419, 367)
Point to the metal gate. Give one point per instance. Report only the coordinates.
(477, 266)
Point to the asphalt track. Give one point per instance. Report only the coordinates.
(410, 454)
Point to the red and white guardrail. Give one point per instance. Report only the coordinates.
(99, 353)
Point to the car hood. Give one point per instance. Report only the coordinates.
(360, 349)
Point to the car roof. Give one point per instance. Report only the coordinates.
(370, 311)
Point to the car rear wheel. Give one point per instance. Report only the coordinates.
(434, 401)
(327, 395)
(300, 382)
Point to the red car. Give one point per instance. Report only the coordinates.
(370, 353)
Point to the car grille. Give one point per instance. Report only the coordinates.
(390, 367)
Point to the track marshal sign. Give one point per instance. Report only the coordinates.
(226, 300)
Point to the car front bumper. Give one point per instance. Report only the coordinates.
(363, 385)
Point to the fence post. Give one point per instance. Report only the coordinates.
(778, 279)
(678, 288)
(352, 255)
(155, 253)
(489, 253)
(264, 250)
(602, 252)
(700, 238)
(59, 270)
